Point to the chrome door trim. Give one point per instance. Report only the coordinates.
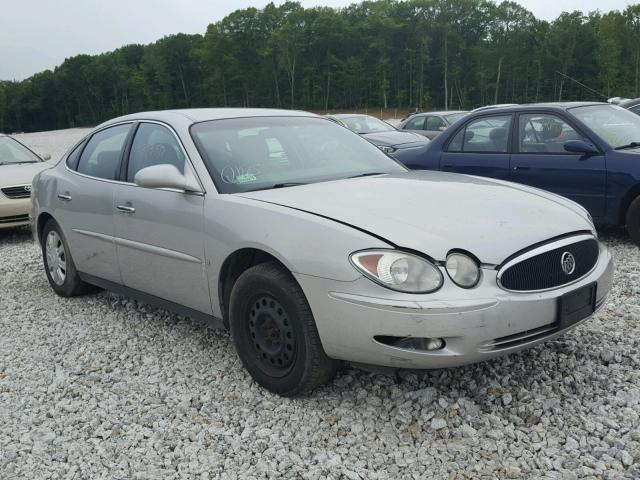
(165, 252)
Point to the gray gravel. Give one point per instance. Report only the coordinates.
(104, 387)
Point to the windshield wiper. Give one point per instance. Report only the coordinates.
(368, 174)
(288, 184)
(628, 145)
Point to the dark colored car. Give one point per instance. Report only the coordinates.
(404, 146)
(586, 151)
(431, 124)
(632, 105)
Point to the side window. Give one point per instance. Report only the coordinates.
(416, 123)
(483, 135)
(635, 109)
(101, 156)
(154, 145)
(542, 133)
(434, 123)
(74, 156)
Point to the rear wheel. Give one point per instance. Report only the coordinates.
(633, 221)
(58, 264)
(274, 332)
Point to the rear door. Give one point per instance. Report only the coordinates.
(480, 147)
(85, 201)
(540, 160)
(159, 232)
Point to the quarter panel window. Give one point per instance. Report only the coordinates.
(434, 123)
(154, 145)
(72, 159)
(483, 135)
(544, 133)
(415, 124)
(101, 156)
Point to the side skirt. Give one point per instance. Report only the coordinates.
(176, 308)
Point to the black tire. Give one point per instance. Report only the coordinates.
(72, 285)
(275, 334)
(633, 221)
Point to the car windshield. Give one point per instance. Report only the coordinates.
(365, 124)
(454, 117)
(12, 151)
(259, 153)
(615, 125)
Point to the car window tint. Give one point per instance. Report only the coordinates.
(483, 135)
(415, 124)
(635, 109)
(72, 158)
(101, 156)
(544, 134)
(154, 145)
(434, 123)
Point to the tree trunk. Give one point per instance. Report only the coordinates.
(446, 85)
(495, 97)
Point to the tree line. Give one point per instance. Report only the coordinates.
(376, 54)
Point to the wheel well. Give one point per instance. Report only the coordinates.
(628, 198)
(232, 268)
(42, 220)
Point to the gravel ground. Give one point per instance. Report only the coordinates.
(104, 387)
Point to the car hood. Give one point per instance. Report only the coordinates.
(20, 173)
(434, 212)
(396, 139)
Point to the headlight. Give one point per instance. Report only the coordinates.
(463, 270)
(400, 271)
(387, 149)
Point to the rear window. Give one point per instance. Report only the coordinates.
(101, 156)
(483, 135)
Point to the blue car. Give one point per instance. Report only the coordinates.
(403, 146)
(586, 151)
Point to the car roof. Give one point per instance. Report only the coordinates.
(629, 102)
(195, 115)
(537, 106)
(439, 112)
(348, 115)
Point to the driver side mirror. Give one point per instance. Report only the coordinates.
(45, 156)
(165, 176)
(580, 146)
(442, 128)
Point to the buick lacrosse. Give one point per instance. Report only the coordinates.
(312, 246)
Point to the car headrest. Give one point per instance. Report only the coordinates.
(498, 133)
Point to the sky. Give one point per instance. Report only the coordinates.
(36, 35)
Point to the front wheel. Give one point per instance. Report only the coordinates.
(274, 332)
(633, 221)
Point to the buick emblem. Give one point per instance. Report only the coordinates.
(568, 262)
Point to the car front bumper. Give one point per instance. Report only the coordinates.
(14, 212)
(476, 324)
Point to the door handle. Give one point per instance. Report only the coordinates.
(522, 167)
(126, 208)
(447, 165)
(65, 197)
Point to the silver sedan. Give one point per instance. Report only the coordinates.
(312, 246)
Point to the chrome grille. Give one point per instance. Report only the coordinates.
(20, 191)
(542, 267)
(14, 219)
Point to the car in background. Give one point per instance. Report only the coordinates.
(631, 104)
(18, 166)
(588, 152)
(431, 124)
(330, 251)
(403, 146)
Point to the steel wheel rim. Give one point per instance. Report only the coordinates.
(271, 335)
(56, 258)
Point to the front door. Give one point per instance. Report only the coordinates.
(540, 160)
(159, 232)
